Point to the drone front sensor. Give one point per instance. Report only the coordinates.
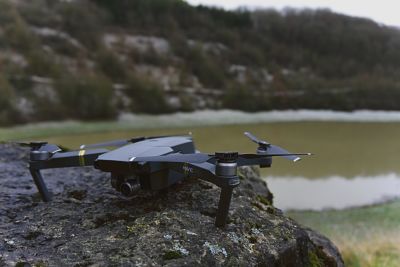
(155, 163)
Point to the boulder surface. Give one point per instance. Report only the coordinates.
(88, 223)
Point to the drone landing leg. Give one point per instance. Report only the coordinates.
(41, 186)
(223, 206)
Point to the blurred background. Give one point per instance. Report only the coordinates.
(311, 76)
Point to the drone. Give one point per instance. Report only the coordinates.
(155, 163)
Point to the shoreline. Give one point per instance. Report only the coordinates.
(129, 121)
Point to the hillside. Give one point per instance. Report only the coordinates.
(92, 59)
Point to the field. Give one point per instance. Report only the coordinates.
(367, 236)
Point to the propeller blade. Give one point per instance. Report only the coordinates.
(31, 144)
(178, 158)
(24, 144)
(290, 156)
(255, 139)
(257, 156)
(272, 149)
(42, 146)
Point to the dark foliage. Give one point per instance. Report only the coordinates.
(316, 58)
(146, 96)
(110, 65)
(86, 97)
(240, 98)
(8, 113)
(82, 20)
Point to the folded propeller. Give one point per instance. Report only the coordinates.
(34, 144)
(265, 150)
(42, 146)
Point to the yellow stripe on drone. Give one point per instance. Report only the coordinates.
(82, 157)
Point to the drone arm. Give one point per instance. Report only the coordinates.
(254, 161)
(59, 160)
(68, 159)
(204, 171)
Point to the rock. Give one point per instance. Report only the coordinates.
(174, 228)
(327, 251)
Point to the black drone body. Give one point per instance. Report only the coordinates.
(155, 163)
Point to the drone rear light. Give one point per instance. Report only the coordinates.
(297, 159)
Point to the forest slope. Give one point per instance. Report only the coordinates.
(92, 59)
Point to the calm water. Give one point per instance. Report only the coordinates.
(356, 159)
(343, 149)
(298, 193)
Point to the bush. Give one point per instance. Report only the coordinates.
(46, 109)
(146, 96)
(19, 36)
(7, 12)
(110, 65)
(240, 98)
(206, 68)
(86, 97)
(83, 21)
(62, 46)
(41, 64)
(8, 113)
(39, 13)
(150, 57)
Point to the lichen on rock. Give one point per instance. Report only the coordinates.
(88, 223)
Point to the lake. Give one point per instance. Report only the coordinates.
(350, 149)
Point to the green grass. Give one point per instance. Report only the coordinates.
(368, 236)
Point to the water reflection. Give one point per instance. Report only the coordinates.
(297, 193)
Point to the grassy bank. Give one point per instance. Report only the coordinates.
(367, 236)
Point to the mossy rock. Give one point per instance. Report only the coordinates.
(174, 228)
